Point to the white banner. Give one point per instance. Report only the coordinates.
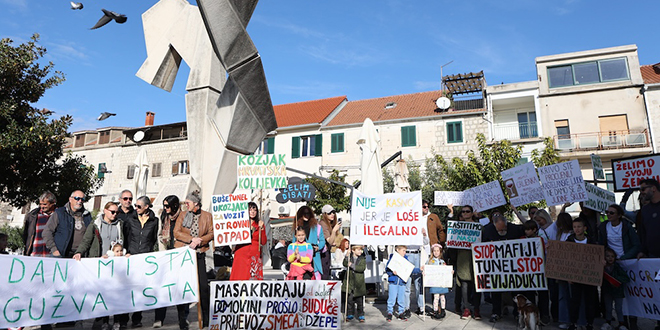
(37, 290)
(628, 172)
(457, 198)
(641, 293)
(261, 171)
(513, 265)
(401, 266)
(438, 276)
(231, 219)
(275, 305)
(563, 183)
(599, 199)
(487, 196)
(522, 184)
(389, 219)
(462, 234)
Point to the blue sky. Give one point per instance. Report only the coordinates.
(317, 49)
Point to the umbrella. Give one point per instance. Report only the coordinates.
(141, 173)
(369, 142)
(401, 184)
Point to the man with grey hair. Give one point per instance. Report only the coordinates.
(34, 224)
(66, 227)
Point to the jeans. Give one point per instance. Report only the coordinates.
(471, 299)
(396, 293)
(618, 304)
(564, 302)
(417, 280)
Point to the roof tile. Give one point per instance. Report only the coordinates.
(651, 73)
(308, 112)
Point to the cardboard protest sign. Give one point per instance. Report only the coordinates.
(401, 266)
(563, 183)
(513, 265)
(597, 165)
(275, 305)
(36, 291)
(641, 298)
(261, 171)
(522, 184)
(297, 190)
(462, 234)
(628, 172)
(458, 198)
(574, 262)
(231, 221)
(599, 199)
(438, 276)
(487, 196)
(388, 219)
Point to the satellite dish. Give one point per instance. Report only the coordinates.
(138, 136)
(443, 103)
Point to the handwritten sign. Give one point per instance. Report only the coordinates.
(275, 305)
(563, 183)
(231, 221)
(36, 291)
(387, 219)
(641, 292)
(597, 165)
(574, 262)
(452, 197)
(599, 199)
(261, 171)
(438, 276)
(628, 172)
(522, 184)
(514, 265)
(297, 190)
(487, 196)
(462, 234)
(401, 266)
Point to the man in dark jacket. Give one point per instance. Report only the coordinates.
(34, 224)
(66, 227)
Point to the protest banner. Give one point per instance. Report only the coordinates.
(438, 276)
(513, 265)
(389, 219)
(462, 234)
(598, 199)
(297, 190)
(231, 221)
(563, 183)
(36, 291)
(458, 198)
(574, 262)
(628, 172)
(274, 305)
(597, 165)
(487, 196)
(522, 184)
(641, 298)
(261, 171)
(401, 266)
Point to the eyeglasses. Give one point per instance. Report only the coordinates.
(332, 212)
(138, 206)
(466, 211)
(127, 198)
(112, 212)
(611, 212)
(425, 206)
(78, 198)
(166, 206)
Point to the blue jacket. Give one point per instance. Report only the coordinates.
(394, 279)
(64, 232)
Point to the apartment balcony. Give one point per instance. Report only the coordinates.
(515, 131)
(613, 141)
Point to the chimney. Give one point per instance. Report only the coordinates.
(149, 121)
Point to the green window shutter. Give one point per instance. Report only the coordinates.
(408, 136)
(318, 148)
(337, 144)
(454, 132)
(99, 173)
(295, 147)
(271, 146)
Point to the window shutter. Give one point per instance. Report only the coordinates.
(271, 146)
(99, 173)
(340, 142)
(459, 132)
(175, 168)
(319, 145)
(295, 147)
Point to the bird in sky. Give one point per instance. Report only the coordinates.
(109, 16)
(76, 5)
(105, 115)
(46, 112)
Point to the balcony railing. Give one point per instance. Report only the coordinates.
(602, 140)
(468, 104)
(515, 131)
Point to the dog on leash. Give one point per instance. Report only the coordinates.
(528, 313)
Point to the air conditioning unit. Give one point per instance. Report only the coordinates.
(283, 210)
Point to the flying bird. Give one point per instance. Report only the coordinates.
(76, 5)
(105, 115)
(109, 16)
(46, 112)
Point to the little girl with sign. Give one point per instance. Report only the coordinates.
(438, 293)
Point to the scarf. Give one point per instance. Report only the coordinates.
(188, 219)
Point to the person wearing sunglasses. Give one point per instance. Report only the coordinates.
(618, 234)
(66, 227)
(333, 237)
(126, 212)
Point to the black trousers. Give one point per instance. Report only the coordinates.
(204, 290)
(587, 292)
(182, 310)
(353, 302)
(326, 259)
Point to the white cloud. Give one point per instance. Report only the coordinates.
(67, 50)
(17, 4)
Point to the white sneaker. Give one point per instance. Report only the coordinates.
(606, 326)
(563, 326)
(158, 324)
(622, 327)
(115, 326)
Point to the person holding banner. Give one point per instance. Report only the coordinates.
(247, 263)
(314, 236)
(34, 224)
(195, 230)
(582, 294)
(437, 292)
(619, 235)
(437, 233)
